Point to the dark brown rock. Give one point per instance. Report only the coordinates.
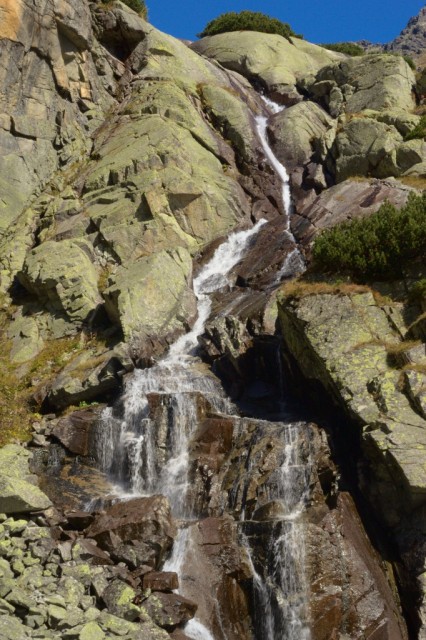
(161, 581)
(79, 520)
(74, 431)
(144, 524)
(215, 569)
(169, 610)
(351, 592)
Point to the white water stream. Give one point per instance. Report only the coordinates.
(293, 263)
(283, 595)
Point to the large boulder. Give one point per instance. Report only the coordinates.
(144, 524)
(63, 277)
(375, 81)
(300, 131)
(365, 147)
(18, 490)
(152, 297)
(269, 59)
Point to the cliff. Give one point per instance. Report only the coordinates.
(127, 158)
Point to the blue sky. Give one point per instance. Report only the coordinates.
(317, 20)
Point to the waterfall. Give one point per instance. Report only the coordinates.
(127, 448)
(293, 264)
(145, 449)
(262, 126)
(279, 588)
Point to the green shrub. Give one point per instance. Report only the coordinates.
(247, 21)
(410, 62)
(419, 130)
(350, 48)
(377, 245)
(137, 5)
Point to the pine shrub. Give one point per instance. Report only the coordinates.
(350, 48)
(137, 5)
(375, 246)
(247, 21)
(419, 130)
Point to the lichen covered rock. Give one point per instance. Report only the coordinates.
(18, 490)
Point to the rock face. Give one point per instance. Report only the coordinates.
(126, 157)
(349, 345)
(346, 201)
(139, 526)
(373, 81)
(274, 62)
(411, 41)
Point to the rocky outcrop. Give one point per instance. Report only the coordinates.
(365, 147)
(275, 63)
(139, 531)
(300, 132)
(346, 201)
(351, 346)
(153, 296)
(411, 41)
(372, 81)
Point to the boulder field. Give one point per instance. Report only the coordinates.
(126, 158)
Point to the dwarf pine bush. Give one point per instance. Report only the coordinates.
(137, 5)
(350, 48)
(247, 21)
(375, 246)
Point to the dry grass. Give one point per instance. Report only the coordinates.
(417, 321)
(391, 348)
(415, 366)
(417, 182)
(300, 289)
(394, 348)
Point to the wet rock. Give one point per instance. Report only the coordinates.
(169, 610)
(265, 263)
(147, 520)
(161, 581)
(214, 551)
(349, 589)
(75, 431)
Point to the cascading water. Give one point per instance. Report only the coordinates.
(127, 447)
(293, 263)
(281, 593)
(145, 458)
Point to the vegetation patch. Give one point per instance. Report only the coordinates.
(297, 289)
(137, 5)
(349, 48)
(248, 21)
(419, 130)
(375, 246)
